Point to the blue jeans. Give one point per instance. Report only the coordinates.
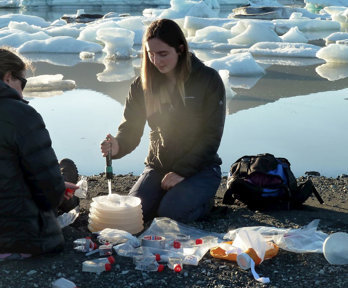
(185, 202)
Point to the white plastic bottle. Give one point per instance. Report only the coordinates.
(104, 260)
(84, 244)
(91, 266)
(63, 283)
(147, 263)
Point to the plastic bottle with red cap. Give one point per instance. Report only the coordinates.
(148, 263)
(175, 264)
(85, 244)
(63, 283)
(95, 266)
(105, 260)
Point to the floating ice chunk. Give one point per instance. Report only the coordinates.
(192, 24)
(324, 3)
(24, 26)
(294, 35)
(241, 64)
(118, 42)
(182, 8)
(90, 32)
(336, 36)
(333, 71)
(333, 10)
(60, 44)
(19, 38)
(31, 20)
(337, 53)
(49, 83)
(283, 49)
(65, 30)
(341, 17)
(282, 25)
(86, 55)
(255, 33)
(225, 74)
(212, 34)
(136, 25)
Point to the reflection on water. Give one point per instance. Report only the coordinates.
(308, 130)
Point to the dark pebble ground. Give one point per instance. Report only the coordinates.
(287, 269)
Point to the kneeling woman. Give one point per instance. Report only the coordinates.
(183, 102)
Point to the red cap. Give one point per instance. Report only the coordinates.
(199, 241)
(177, 268)
(93, 245)
(111, 259)
(176, 244)
(160, 268)
(88, 237)
(107, 267)
(158, 257)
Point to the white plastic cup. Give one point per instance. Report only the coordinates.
(335, 248)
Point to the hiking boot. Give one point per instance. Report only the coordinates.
(69, 170)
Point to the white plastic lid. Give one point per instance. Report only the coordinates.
(335, 248)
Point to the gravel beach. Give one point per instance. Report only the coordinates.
(287, 269)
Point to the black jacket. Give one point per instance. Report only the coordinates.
(31, 185)
(183, 138)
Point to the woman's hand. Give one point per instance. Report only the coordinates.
(70, 190)
(105, 145)
(170, 180)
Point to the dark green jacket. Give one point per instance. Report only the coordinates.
(31, 185)
(183, 138)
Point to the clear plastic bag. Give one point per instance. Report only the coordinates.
(303, 240)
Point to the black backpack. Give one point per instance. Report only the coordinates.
(266, 182)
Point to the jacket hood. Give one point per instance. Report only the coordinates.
(8, 92)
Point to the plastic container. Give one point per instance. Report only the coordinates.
(105, 260)
(175, 264)
(85, 244)
(105, 250)
(63, 283)
(95, 266)
(335, 248)
(147, 263)
(116, 212)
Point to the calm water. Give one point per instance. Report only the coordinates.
(291, 112)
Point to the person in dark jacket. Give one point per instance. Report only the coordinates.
(183, 102)
(31, 184)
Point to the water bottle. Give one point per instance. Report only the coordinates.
(175, 263)
(85, 244)
(95, 266)
(147, 263)
(63, 283)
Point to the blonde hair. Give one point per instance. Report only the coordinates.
(154, 82)
(11, 61)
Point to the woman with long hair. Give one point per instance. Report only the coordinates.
(183, 102)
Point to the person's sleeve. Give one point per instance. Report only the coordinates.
(39, 163)
(212, 128)
(131, 128)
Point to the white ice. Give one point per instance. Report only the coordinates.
(240, 64)
(97, 41)
(337, 53)
(334, 37)
(59, 44)
(48, 83)
(118, 42)
(294, 35)
(282, 49)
